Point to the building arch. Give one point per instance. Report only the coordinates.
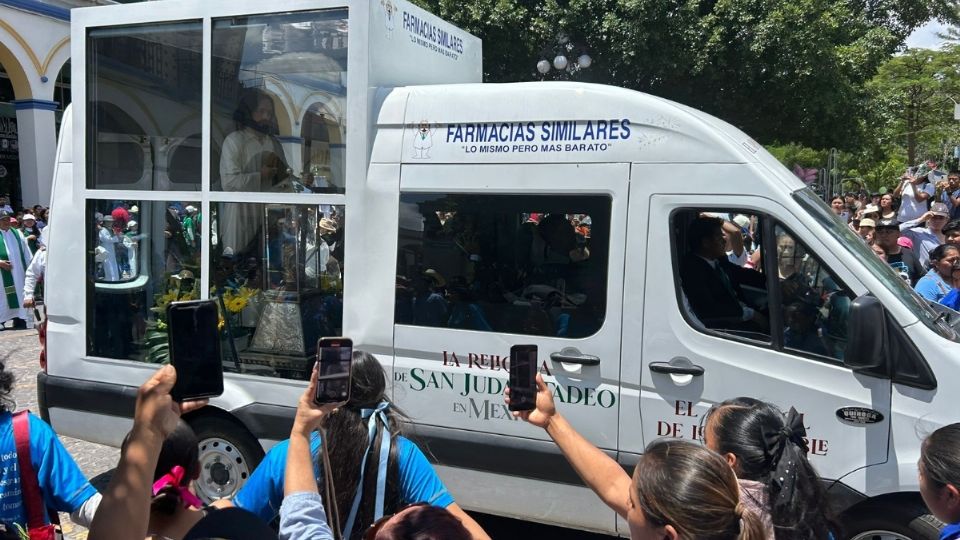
(56, 59)
(18, 76)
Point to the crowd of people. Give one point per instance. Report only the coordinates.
(915, 228)
(352, 468)
(22, 260)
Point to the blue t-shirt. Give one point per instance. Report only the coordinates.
(950, 532)
(932, 286)
(952, 300)
(63, 485)
(263, 492)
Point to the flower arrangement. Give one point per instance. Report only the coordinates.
(236, 300)
(182, 286)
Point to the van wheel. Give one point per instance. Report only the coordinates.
(890, 522)
(228, 454)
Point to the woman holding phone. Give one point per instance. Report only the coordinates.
(679, 490)
(409, 476)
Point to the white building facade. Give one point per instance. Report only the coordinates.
(34, 89)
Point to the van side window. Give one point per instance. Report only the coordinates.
(277, 270)
(814, 303)
(521, 264)
(144, 103)
(278, 107)
(722, 287)
(141, 255)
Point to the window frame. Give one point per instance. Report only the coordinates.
(768, 225)
(609, 208)
(147, 15)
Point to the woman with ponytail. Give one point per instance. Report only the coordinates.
(376, 470)
(174, 509)
(768, 453)
(679, 489)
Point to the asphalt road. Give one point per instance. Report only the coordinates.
(20, 355)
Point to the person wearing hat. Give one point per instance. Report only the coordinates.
(108, 239)
(190, 224)
(733, 232)
(15, 255)
(927, 231)
(319, 261)
(866, 229)
(903, 260)
(870, 211)
(914, 191)
(30, 231)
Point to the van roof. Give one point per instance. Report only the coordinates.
(478, 123)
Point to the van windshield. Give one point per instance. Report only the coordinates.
(882, 271)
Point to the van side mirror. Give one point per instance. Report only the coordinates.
(866, 335)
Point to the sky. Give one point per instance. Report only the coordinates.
(925, 37)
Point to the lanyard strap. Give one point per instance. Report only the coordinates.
(374, 415)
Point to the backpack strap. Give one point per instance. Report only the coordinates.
(32, 496)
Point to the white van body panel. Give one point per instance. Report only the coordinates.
(647, 129)
(649, 155)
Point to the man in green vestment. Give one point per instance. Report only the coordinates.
(14, 258)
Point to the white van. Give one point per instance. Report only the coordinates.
(448, 223)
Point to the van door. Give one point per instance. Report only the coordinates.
(692, 360)
(491, 256)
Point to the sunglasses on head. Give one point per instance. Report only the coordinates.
(377, 525)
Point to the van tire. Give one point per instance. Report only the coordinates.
(886, 521)
(228, 455)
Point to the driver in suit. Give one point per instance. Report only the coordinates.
(713, 285)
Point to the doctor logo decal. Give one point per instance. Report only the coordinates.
(480, 397)
(423, 140)
(390, 16)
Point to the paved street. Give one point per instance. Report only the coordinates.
(21, 352)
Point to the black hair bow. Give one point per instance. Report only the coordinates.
(785, 448)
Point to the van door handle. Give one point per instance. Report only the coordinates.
(571, 355)
(677, 366)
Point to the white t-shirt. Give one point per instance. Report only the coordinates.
(910, 208)
(738, 260)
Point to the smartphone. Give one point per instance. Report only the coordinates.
(194, 342)
(523, 377)
(335, 360)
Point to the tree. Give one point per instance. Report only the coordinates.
(911, 98)
(782, 70)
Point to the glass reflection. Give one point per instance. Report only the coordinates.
(142, 255)
(279, 102)
(284, 290)
(144, 103)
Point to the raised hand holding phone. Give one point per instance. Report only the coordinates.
(310, 414)
(545, 410)
(523, 372)
(334, 366)
(195, 349)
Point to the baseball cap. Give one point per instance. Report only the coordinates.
(939, 209)
(867, 222)
(888, 224)
(5, 214)
(29, 216)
